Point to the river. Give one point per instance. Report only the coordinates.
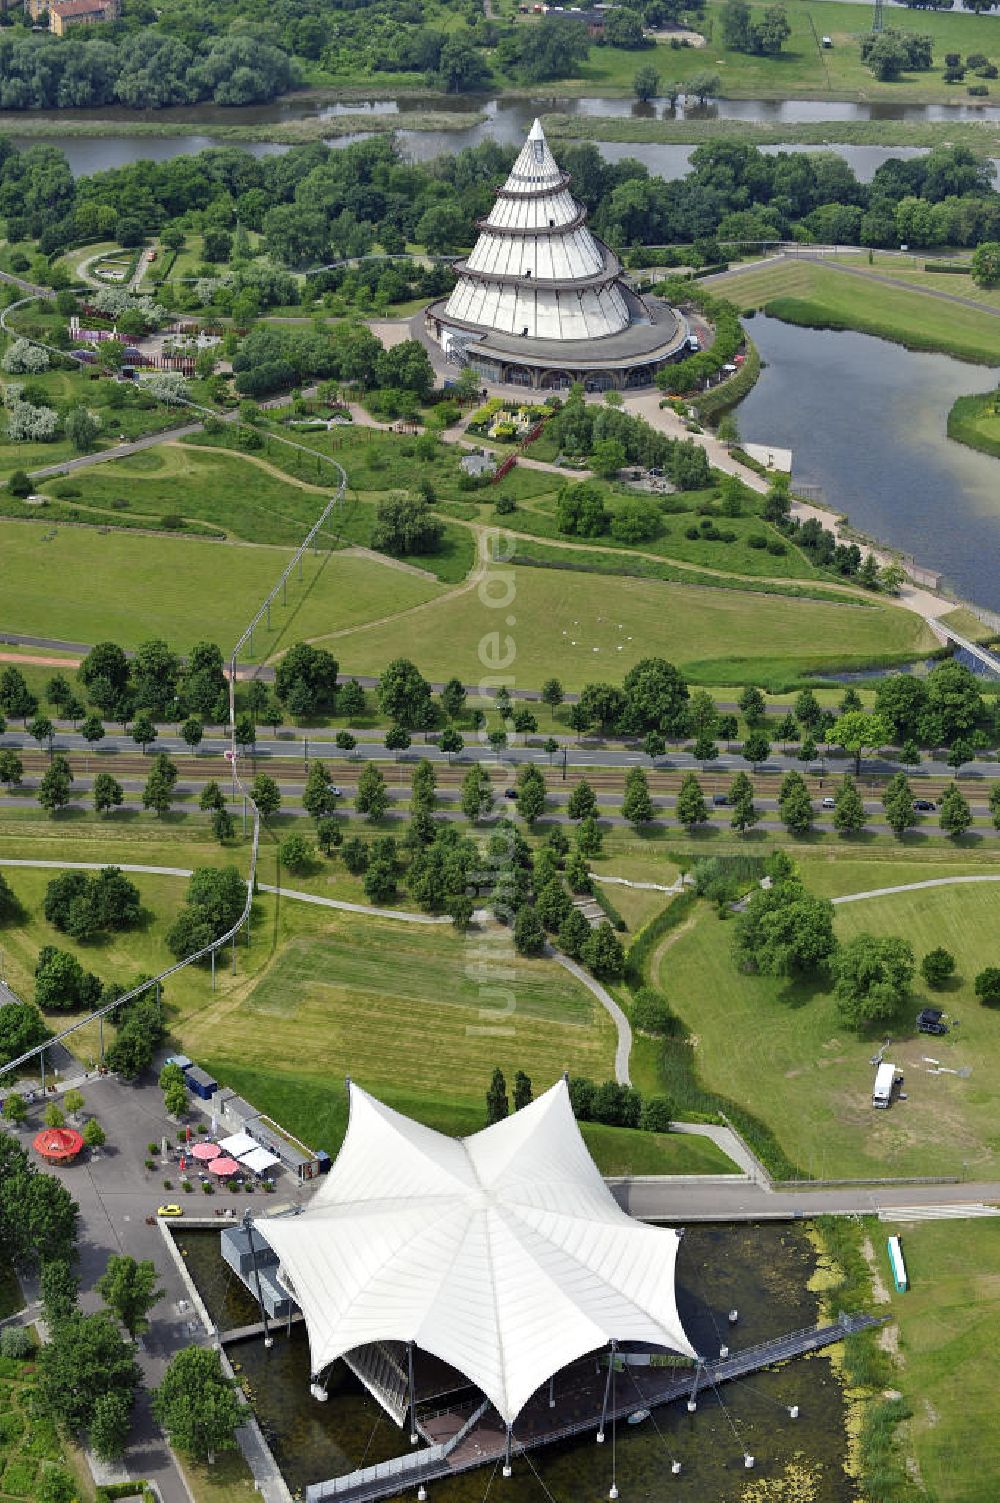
(866, 423)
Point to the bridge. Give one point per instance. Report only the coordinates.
(461, 1441)
(986, 663)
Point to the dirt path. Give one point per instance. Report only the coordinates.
(20, 657)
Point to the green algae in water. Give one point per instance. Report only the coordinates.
(761, 1270)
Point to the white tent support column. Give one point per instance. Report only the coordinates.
(414, 1437)
(607, 1393)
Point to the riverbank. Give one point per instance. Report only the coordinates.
(975, 422)
(980, 136)
(282, 132)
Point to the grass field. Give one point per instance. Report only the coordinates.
(183, 589)
(822, 296)
(586, 626)
(975, 420)
(949, 1371)
(781, 1050)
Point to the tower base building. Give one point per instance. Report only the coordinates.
(541, 301)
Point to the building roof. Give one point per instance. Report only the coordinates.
(535, 270)
(69, 8)
(504, 1254)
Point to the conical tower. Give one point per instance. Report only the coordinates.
(536, 271)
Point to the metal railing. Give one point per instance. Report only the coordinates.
(233, 754)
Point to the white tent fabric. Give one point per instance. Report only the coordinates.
(504, 1253)
(258, 1160)
(237, 1145)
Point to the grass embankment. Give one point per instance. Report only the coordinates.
(975, 421)
(982, 137)
(822, 296)
(288, 132)
(781, 1050)
(590, 627)
(184, 590)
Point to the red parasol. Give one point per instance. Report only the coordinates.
(59, 1145)
(224, 1166)
(205, 1151)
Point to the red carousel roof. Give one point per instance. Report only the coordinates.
(59, 1145)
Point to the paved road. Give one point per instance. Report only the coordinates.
(120, 451)
(725, 1200)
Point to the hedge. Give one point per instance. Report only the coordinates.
(611, 912)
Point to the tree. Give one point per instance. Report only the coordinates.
(897, 801)
(397, 739)
(318, 797)
(211, 797)
(451, 741)
(11, 768)
(372, 797)
(530, 794)
(54, 788)
(744, 815)
(305, 679)
(552, 694)
(86, 1359)
(995, 805)
(92, 729)
(589, 839)
(192, 732)
(129, 1290)
(296, 854)
(855, 730)
(15, 1109)
(81, 428)
(159, 790)
(523, 1095)
(477, 793)
(654, 745)
(60, 1290)
(54, 1115)
(582, 801)
(987, 986)
(404, 695)
(954, 814)
(848, 809)
(985, 270)
(784, 931)
(197, 1404)
(872, 977)
(15, 696)
(657, 696)
(795, 805)
(552, 903)
(691, 808)
(21, 1028)
(108, 793)
(937, 967)
(756, 748)
(574, 931)
(752, 705)
(175, 1099)
(110, 1423)
(406, 525)
(266, 795)
(646, 83)
(604, 953)
(954, 700)
(143, 730)
(637, 806)
(94, 1135)
(497, 1105)
(42, 729)
(529, 935)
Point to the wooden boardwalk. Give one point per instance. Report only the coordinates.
(577, 1410)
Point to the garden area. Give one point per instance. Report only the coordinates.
(35, 1465)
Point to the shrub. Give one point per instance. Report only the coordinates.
(656, 1114)
(650, 1012)
(16, 1343)
(937, 966)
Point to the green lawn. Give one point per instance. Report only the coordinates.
(183, 589)
(781, 1051)
(975, 420)
(561, 617)
(224, 489)
(805, 292)
(949, 1371)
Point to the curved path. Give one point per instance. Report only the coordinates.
(623, 1048)
(884, 892)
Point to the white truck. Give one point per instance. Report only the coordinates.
(885, 1080)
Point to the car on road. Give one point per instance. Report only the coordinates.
(510, 793)
(720, 798)
(924, 805)
(169, 1210)
(829, 802)
(337, 792)
(931, 1020)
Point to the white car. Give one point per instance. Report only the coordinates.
(829, 803)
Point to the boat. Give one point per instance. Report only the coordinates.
(637, 1416)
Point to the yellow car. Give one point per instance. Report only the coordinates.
(169, 1211)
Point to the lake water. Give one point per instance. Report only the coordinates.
(763, 1271)
(866, 423)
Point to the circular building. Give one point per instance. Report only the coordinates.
(541, 302)
(58, 1145)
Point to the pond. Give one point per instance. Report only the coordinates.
(763, 1271)
(866, 423)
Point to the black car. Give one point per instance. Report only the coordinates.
(510, 793)
(924, 805)
(720, 798)
(929, 1020)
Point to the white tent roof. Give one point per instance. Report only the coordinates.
(258, 1159)
(237, 1145)
(504, 1253)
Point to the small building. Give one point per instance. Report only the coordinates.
(200, 1083)
(478, 465)
(64, 14)
(235, 1111)
(180, 1060)
(591, 16)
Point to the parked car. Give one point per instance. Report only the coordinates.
(169, 1210)
(720, 798)
(924, 805)
(930, 1020)
(337, 792)
(829, 803)
(510, 793)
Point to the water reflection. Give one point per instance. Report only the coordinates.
(866, 422)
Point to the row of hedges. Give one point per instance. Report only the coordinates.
(610, 911)
(711, 404)
(688, 374)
